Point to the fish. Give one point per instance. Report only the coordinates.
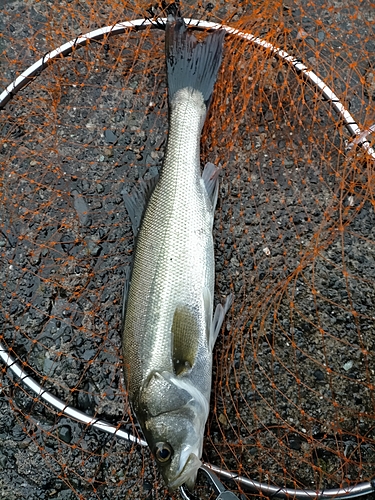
(169, 328)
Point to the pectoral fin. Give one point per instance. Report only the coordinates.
(185, 338)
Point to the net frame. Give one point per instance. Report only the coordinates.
(359, 138)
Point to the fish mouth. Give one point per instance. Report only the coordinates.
(188, 474)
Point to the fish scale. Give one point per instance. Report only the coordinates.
(169, 329)
(174, 259)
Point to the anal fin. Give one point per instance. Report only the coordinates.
(218, 319)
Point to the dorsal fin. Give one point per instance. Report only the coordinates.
(136, 201)
(210, 177)
(126, 291)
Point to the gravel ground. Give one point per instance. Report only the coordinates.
(292, 400)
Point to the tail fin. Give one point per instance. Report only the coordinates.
(191, 63)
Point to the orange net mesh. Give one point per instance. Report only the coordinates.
(293, 387)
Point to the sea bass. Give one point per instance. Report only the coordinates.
(169, 329)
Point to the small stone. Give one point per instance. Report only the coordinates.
(223, 419)
(80, 205)
(108, 152)
(234, 261)
(83, 401)
(318, 374)
(110, 137)
(295, 443)
(48, 366)
(93, 248)
(65, 433)
(348, 365)
(89, 354)
(147, 486)
(18, 434)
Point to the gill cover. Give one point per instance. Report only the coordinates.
(164, 393)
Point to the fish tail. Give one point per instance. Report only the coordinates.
(191, 63)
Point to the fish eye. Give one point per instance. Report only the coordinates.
(163, 452)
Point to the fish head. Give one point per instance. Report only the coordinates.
(176, 446)
(173, 414)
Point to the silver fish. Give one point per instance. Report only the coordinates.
(169, 330)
